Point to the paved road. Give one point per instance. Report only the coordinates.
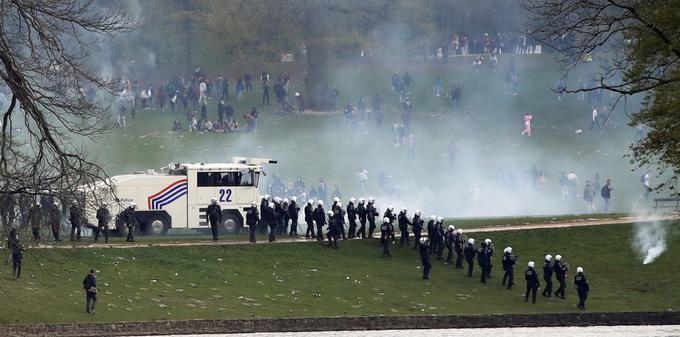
(595, 331)
(177, 241)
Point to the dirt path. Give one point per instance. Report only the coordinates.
(557, 224)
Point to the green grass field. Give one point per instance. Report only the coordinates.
(486, 130)
(309, 279)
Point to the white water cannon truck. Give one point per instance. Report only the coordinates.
(178, 196)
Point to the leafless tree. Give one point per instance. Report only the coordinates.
(44, 47)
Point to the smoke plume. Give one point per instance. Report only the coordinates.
(650, 240)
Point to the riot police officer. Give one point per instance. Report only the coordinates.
(560, 270)
(103, 218)
(509, 260)
(334, 223)
(55, 220)
(424, 250)
(352, 218)
(489, 262)
(285, 216)
(458, 244)
(362, 213)
(341, 220)
(431, 233)
(439, 237)
(309, 219)
(130, 219)
(386, 235)
(74, 217)
(371, 213)
(417, 225)
(269, 216)
(547, 276)
(214, 214)
(252, 218)
(278, 215)
(531, 276)
(264, 203)
(404, 222)
(448, 243)
(35, 219)
(293, 211)
(469, 252)
(483, 260)
(582, 288)
(320, 219)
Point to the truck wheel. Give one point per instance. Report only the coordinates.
(230, 222)
(156, 225)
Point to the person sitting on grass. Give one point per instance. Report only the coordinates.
(176, 125)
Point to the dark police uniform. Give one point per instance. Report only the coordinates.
(531, 276)
(103, 218)
(417, 226)
(371, 213)
(252, 218)
(509, 262)
(352, 218)
(309, 219)
(582, 288)
(425, 259)
(386, 237)
(214, 214)
(458, 244)
(469, 253)
(403, 227)
(483, 259)
(448, 243)
(269, 218)
(293, 210)
(547, 277)
(320, 219)
(74, 217)
(130, 220)
(361, 211)
(561, 275)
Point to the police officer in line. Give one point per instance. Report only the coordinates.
(269, 216)
(371, 213)
(469, 252)
(582, 288)
(35, 219)
(509, 260)
(362, 213)
(264, 203)
(531, 276)
(103, 218)
(489, 263)
(448, 243)
(335, 222)
(278, 215)
(341, 218)
(320, 219)
(547, 276)
(417, 225)
(483, 259)
(389, 213)
(309, 219)
(439, 235)
(458, 245)
(386, 235)
(352, 218)
(214, 215)
(560, 270)
(404, 222)
(293, 211)
(74, 218)
(130, 218)
(252, 218)
(55, 220)
(430, 233)
(424, 249)
(285, 215)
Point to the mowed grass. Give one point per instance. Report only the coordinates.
(310, 279)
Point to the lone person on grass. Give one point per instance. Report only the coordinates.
(252, 217)
(531, 276)
(90, 286)
(214, 214)
(582, 288)
(424, 249)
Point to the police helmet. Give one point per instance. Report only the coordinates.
(424, 241)
(371, 200)
(285, 200)
(531, 264)
(417, 212)
(471, 241)
(390, 207)
(213, 201)
(320, 202)
(404, 209)
(558, 257)
(293, 198)
(336, 199)
(433, 217)
(56, 204)
(548, 257)
(386, 220)
(133, 205)
(579, 269)
(277, 199)
(310, 201)
(440, 219)
(352, 200)
(271, 205)
(267, 196)
(253, 204)
(459, 231)
(74, 202)
(362, 200)
(451, 227)
(330, 213)
(509, 250)
(339, 203)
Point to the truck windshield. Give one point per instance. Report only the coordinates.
(212, 179)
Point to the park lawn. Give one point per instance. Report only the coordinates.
(310, 279)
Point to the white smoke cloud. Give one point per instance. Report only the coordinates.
(650, 240)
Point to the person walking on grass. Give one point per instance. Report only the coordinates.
(531, 277)
(582, 288)
(606, 193)
(90, 286)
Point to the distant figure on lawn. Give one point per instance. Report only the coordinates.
(90, 286)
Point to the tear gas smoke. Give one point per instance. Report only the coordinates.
(650, 240)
